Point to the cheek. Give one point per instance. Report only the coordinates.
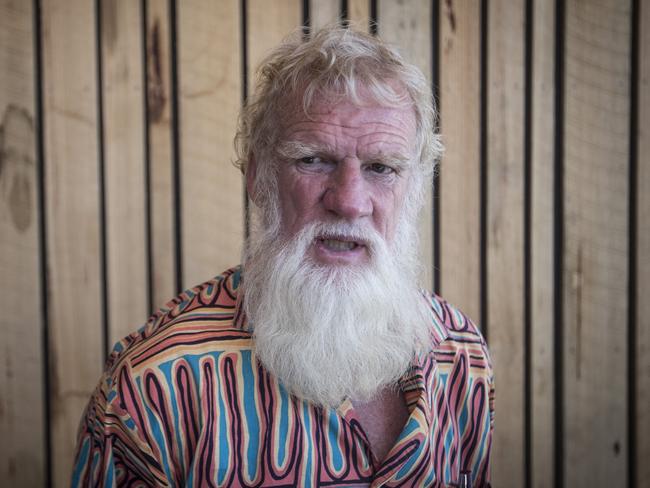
(299, 199)
(390, 208)
(389, 217)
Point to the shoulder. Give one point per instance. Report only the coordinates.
(465, 372)
(460, 339)
(198, 317)
(197, 324)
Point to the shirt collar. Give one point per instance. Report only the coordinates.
(414, 383)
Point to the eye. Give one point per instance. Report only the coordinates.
(381, 169)
(315, 164)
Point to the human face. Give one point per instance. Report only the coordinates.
(345, 163)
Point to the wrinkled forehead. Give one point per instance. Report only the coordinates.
(365, 103)
(311, 98)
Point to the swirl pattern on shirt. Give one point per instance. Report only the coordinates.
(183, 402)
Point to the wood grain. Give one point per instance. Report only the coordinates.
(359, 14)
(72, 213)
(210, 94)
(124, 171)
(22, 415)
(408, 26)
(267, 27)
(643, 251)
(324, 12)
(161, 189)
(210, 73)
(541, 251)
(459, 181)
(505, 233)
(596, 242)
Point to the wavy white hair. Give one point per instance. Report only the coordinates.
(331, 332)
(337, 64)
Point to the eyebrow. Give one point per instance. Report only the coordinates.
(299, 149)
(395, 159)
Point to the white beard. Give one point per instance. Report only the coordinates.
(330, 332)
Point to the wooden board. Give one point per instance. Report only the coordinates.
(408, 26)
(72, 213)
(22, 416)
(505, 235)
(209, 47)
(596, 242)
(541, 242)
(359, 14)
(460, 169)
(267, 27)
(124, 171)
(643, 252)
(161, 191)
(324, 12)
(210, 94)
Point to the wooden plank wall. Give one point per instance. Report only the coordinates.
(22, 370)
(504, 239)
(117, 190)
(209, 85)
(595, 240)
(541, 445)
(124, 165)
(74, 254)
(640, 242)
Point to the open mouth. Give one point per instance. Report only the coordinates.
(339, 244)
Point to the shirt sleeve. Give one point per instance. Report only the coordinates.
(488, 441)
(111, 448)
(484, 421)
(468, 407)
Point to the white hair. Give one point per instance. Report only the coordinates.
(327, 332)
(330, 332)
(336, 64)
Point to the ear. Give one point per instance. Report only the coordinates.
(251, 173)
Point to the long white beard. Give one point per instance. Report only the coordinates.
(330, 332)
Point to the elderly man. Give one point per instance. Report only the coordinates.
(319, 362)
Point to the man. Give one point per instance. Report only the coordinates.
(319, 362)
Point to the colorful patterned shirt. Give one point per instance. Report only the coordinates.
(183, 402)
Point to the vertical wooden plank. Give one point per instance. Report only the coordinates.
(642, 373)
(21, 362)
(72, 212)
(359, 14)
(542, 236)
(408, 26)
(595, 241)
(124, 171)
(211, 188)
(459, 181)
(324, 12)
(267, 27)
(161, 191)
(505, 233)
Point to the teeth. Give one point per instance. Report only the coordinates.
(336, 245)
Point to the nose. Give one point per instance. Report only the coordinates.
(347, 195)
